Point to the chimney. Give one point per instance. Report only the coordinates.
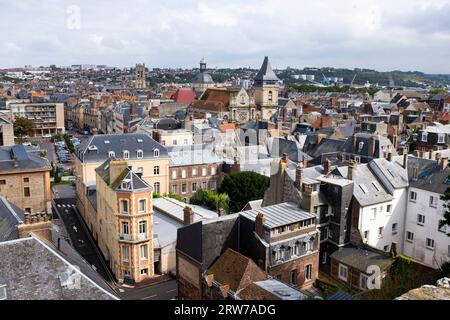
(372, 145)
(327, 167)
(354, 143)
(222, 212)
(415, 173)
(116, 168)
(188, 215)
(299, 176)
(259, 225)
(405, 160)
(297, 136)
(444, 163)
(285, 158)
(351, 169)
(394, 141)
(305, 162)
(389, 156)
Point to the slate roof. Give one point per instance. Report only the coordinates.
(367, 189)
(430, 176)
(266, 73)
(34, 270)
(25, 160)
(174, 209)
(361, 259)
(97, 148)
(10, 217)
(279, 215)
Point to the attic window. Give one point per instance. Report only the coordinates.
(126, 154)
(424, 136)
(140, 140)
(111, 154)
(441, 138)
(156, 153)
(139, 154)
(392, 173)
(126, 184)
(3, 295)
(106, 141)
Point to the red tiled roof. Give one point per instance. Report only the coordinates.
(322, 122)
(227, 126)
(184, 95)
(236, 270)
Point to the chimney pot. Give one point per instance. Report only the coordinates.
(327, 167)
(188, 215)
(259, 224)
(351, 170)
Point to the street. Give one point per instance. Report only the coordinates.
(83, 242)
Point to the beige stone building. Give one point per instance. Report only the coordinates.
(266, 90)
(141, 82)
(6, 133)
(47, 118)
(143, 154)
(123, 226)
(25, 179)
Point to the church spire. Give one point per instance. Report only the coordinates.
(266, 76)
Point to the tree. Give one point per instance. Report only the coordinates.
(243, 187)
(211, 199)
(446, 220)
(23, 127)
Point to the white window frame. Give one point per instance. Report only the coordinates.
(441, 138)
(340, 276)
(122, 201)
(185, 188)
(183, 174)
(144, 272)
(194, 187)
(194, 172)
(434, 201)
(155, 188)
(139, 154)
(424, 136)
(363, 279)
(156, 153)
(310, 272)
(143, 252)
(111, 154)
(156, 170)
(432, 241)
(394, 230)
(413, 196)
(145, 205)
(126, 257)
(408, 238)
(213, 171)
(174, 188)
(174, 174)
(125, 228)
(126, 154)
(204, 172)
(420, 219)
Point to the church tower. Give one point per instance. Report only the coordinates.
(141, 82)
(266, 90)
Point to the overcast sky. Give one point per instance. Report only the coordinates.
(379, 34)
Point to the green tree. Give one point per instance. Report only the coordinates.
(446, 220)
(211, 199)
(436, 91)
(243, 187)
(23, 127)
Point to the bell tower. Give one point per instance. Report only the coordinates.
(266, 89)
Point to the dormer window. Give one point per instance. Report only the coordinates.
(111, 154)
(425, 137)
(156, 153)
(126, 154)
(441, 138)
(360, 146)
(140, 154)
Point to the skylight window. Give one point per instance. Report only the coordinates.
(363, 188)
(376, 186)
(392, 173)
(106, 141)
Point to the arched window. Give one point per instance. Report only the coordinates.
(126, 154)
(270, 96)
(156, 153)
(157, 187)
(139, 154)
(111, 154)
(156, 170)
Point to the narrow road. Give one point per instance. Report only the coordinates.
(160, 291)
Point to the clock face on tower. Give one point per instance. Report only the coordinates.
(242, 116)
